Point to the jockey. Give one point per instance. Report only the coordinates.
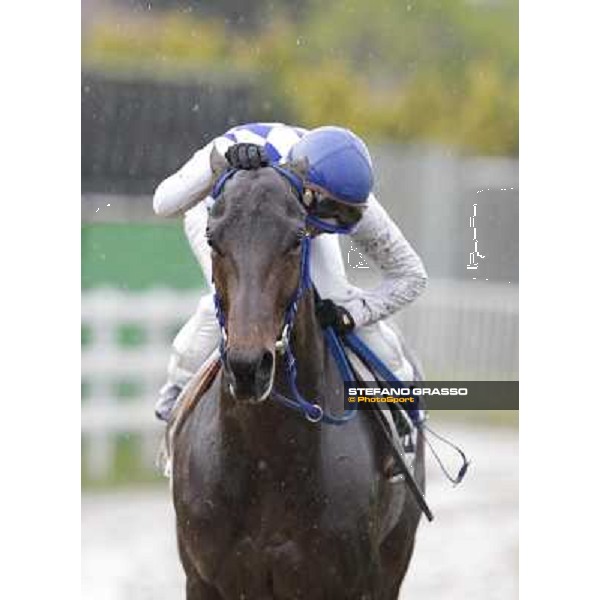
(340, 181)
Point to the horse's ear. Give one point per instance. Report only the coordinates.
(299, 166)
(218, 163)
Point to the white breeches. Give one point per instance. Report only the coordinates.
(198, 338)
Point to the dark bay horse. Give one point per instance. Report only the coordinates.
(268, 504)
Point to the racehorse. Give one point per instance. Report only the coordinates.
(269, 504)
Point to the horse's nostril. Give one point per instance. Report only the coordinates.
(265, 366)
(264, 375)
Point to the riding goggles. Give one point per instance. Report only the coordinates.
(323, 209)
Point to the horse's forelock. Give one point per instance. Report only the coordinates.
(255, 191)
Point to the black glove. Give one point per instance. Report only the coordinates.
(330, 314)
(247, 156)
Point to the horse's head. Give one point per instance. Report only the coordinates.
(255, 230)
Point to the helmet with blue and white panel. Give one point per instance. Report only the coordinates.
(339, 176)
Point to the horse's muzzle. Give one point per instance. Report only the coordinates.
(249, 373)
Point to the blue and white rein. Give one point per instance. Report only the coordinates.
(312, 411)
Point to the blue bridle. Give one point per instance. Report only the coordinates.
(312, 411)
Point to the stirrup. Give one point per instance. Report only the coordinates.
(167, 399)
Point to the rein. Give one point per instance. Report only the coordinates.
(313, 412)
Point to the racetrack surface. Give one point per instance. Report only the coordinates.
(469, 552)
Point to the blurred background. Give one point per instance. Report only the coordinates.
(432, 87)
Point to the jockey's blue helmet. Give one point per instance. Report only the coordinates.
(339, 163)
